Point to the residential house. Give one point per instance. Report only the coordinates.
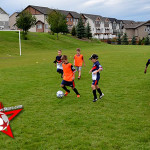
(4, 20)
(12, 21)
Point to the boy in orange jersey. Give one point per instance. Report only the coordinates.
(68, 76)
(78, 60)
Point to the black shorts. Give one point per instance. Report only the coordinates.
(67, 83)
(60, 71)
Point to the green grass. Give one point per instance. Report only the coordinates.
(120, 121)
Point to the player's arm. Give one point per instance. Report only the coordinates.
(55, 61)
(100, 69)
(83, 61)
(74, 61)
(148, 62)
(73, 70)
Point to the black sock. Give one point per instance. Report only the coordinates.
(94, 93)
(76, 91)
(99, 91)
(66, 89)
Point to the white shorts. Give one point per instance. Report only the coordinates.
(78, 68)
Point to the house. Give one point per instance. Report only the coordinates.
(12, 21)
(137, 29)
(4, 20)
(101, 27)
(41, 14)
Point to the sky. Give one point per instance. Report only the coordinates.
(138, 10)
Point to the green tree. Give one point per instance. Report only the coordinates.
(125, 39)
(133, 40)
(80, 29)
(119, 39)
(88, 31)
(143, 41)
(140, 42)
(25, 21)
(147, 41)
(57, 22)
(73, 31)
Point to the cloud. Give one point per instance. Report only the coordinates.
(107, 8)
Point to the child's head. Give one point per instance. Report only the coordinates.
(94, 58)
(64, 58)
(59, 52)
(78, 50)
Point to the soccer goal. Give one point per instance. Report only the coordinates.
(19, 38)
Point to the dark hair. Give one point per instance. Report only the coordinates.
(78, 49)
(64, 57)
(59, 50)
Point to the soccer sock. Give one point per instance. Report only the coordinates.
(94, 93)
(66, 89)
(76, 91)
(99, 91)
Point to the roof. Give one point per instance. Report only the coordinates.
(43, 10)
(93, 17)
(2, 11)
(128, 21)
(136, 25)
(14, 13)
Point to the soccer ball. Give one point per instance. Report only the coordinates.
(4, 122)
(60, 94)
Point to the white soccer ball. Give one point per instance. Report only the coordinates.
(60, 94)
(4, 122)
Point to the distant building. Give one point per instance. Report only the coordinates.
(4, 20)
(12, 21)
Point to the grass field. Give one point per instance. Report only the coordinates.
(120, 121)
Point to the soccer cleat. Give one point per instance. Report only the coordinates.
(78, 95)
(79, 77)
(66, 93)
(101, 96)
(95, 100)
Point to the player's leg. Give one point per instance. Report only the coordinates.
(74, 89)
(99, 91)
(63, 85)
(79, 77)
(94, 90)
(60, 71)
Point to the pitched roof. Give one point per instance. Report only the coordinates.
(2, 11)
(93, 17)
(74, 14)
(43, 10)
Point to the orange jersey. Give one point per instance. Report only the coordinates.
(78, 60)
(68, 70)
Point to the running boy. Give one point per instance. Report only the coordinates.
(96, 76)
(68, 76)
(148, 62)
(78, 60)
(59, 63)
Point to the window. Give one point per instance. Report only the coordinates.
(46, 26)
(70, 19)
(39, 26)
(67, 19)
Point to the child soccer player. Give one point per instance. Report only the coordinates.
(96, 76)
(78, 60)
(68, 76)
(59, 63)
(148, 62)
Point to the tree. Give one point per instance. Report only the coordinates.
(25, 21)
(133, 40)
(147, 40)
(57, 22)
(119, 39)
(88, 31)
(73, 31)
(140, 42)
(125, 39)
(143, 41)
(80, 29)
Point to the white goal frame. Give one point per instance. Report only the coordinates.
(19, 38)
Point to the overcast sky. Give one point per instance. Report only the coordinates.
(138, 10)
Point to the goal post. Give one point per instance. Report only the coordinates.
(19, 38)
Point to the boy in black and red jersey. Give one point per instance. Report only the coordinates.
(59, 63)
(148, 62)
(68, 76)
(96, 76)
